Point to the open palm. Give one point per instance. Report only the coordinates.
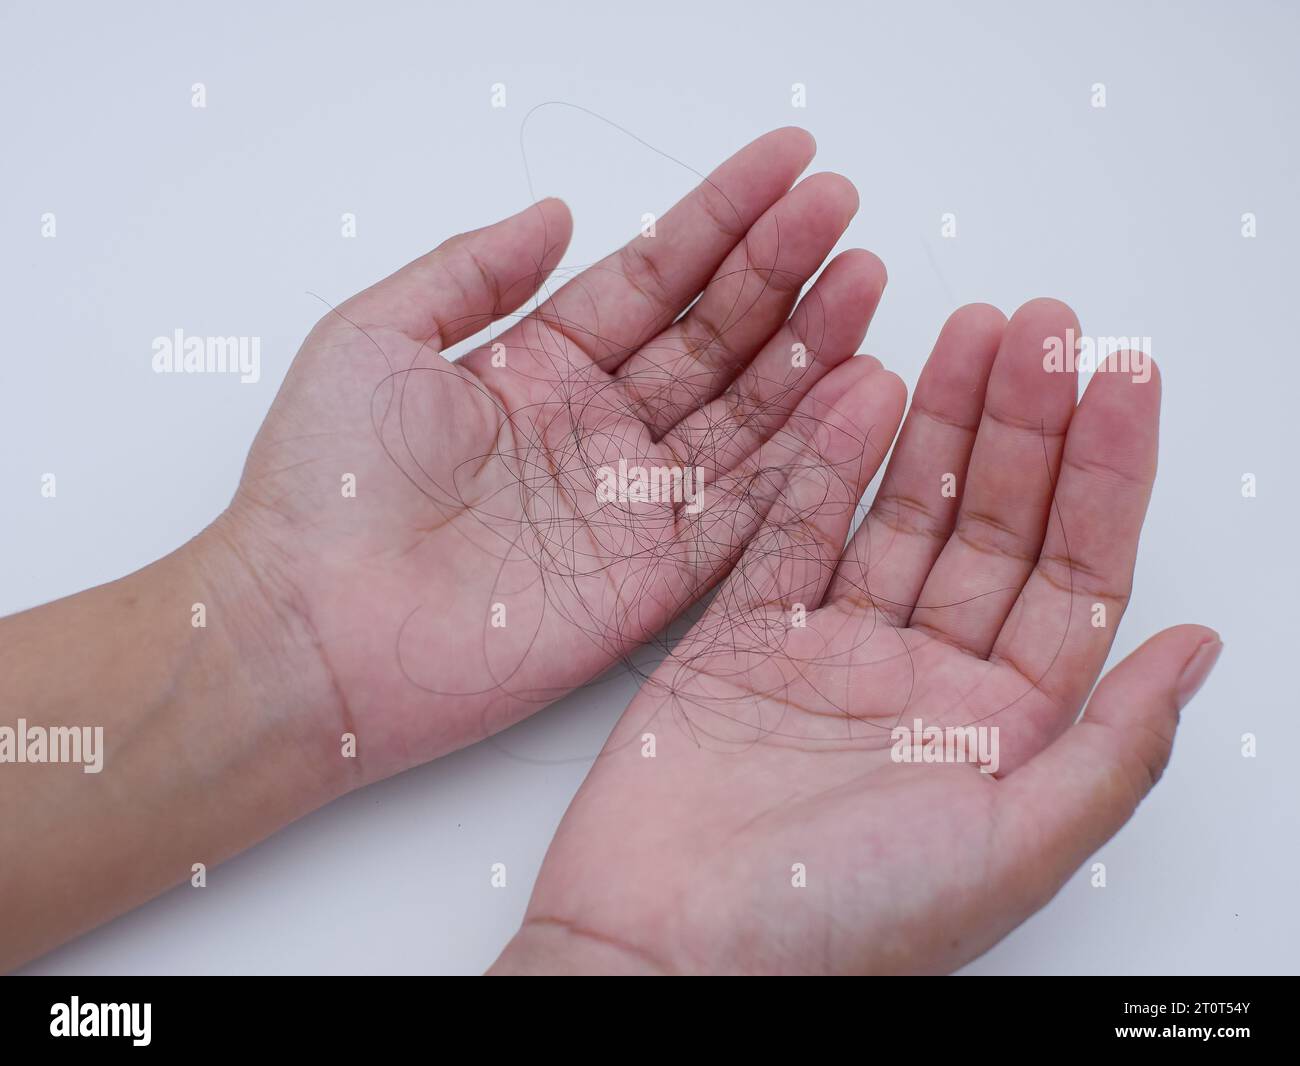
(433, 526)
(751, 811)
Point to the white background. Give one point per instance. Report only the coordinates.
(221, 221)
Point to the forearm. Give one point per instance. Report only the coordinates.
(212, 738)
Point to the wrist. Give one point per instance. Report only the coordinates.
(545, 947)
(262, 646)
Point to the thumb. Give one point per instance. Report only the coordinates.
(1067, 801)
(469, 280)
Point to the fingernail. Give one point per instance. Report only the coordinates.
(1196, 671)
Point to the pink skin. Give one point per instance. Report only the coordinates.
(772, 742)
(339, 618)
(474, 487)
(475, 482)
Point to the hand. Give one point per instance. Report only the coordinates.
(418, 553)
(474, 576)
(774, 752)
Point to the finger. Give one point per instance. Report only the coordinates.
(1003, 512)
(819, 464)
(468, 281)
(825, 329)
(1063, 623)
(1066, 802)
(615, 306)
(910, 520)
(746, 301)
